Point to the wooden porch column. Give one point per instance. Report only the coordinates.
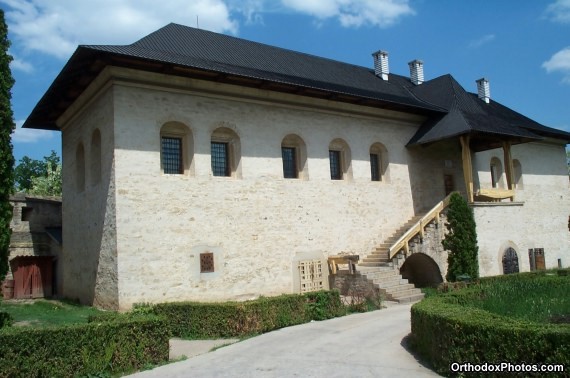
(509, 170)
(467, 166)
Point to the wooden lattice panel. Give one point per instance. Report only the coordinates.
(206, 262)
(311, 275)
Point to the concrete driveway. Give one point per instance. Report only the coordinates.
(361, 345)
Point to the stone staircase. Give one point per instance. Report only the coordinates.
(378, 268)
(380, 256)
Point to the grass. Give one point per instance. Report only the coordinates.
(537, 297)
(45, 313)
(533, 297)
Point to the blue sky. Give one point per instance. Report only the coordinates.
(521, 46)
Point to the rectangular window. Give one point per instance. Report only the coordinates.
(375, 167)
(335, 164)
(171, 157)
(206, 262)
(220, 159)
(289, 162)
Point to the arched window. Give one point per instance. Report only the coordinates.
(378, 162)
(517, 174)
(95, 159)
(510, 261)
(80, 167)
(225, 153)
(294, 156)
(340, 160)
(176, 149)
(496, 173)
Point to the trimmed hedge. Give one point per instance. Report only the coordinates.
(80, 350)
(446, 330)
(231, 319)
(6, 319)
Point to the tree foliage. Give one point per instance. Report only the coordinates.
(39, 177)
(461, 240)
(49, 185)
(6, 156)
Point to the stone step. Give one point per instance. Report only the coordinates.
(386, 274)
(411, 298)
(375, 259)
(389, 282)
(400, 288)
(368, 264)
(405, 293)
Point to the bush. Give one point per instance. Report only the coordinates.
(97, 348)
(461, 240)
(448, 328)
(6, 319)
(234, 319)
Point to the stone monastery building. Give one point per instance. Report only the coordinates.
(199, 166)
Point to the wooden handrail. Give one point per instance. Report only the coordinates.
(418, 227)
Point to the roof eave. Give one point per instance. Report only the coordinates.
(86, 63)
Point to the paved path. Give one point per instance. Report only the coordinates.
(360, 345)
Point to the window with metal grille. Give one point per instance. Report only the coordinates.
(375, 167)
(510, 261)
(311, 275)
(206, 262)
(335, 165)
(220, 159)
(289, 162)
(171, 156)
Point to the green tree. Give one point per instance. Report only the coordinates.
(49, 185)
(6, 155)
(28, 169)
(461, 240)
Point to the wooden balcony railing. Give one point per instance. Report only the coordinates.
(418, 228)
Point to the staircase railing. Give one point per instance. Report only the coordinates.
(418, 228)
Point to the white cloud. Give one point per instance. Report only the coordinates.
(30, 135)
(56, 27)
(354, 13)
(481, 41)
(559, 11)
(559, 62)
(20, 65)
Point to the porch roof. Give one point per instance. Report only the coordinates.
(488, 123)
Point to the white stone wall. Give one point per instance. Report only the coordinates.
(89, 253)
(257, 224)
(539, 216)
(137, 234)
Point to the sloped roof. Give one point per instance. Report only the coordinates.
(466, 113)
(186, 51)
(224, 58)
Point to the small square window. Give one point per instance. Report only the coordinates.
(220, 159)
(206, 262)
(289, 162)
(27, 213)
(172, 155)
(335, 165)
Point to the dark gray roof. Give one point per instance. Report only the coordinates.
(228, 58)
(185, 51)
(467, 114)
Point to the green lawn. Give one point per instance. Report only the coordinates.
(44, 313)
(542, 298)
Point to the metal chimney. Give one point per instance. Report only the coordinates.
(381, 68)
(416, 71)
(483, 89)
